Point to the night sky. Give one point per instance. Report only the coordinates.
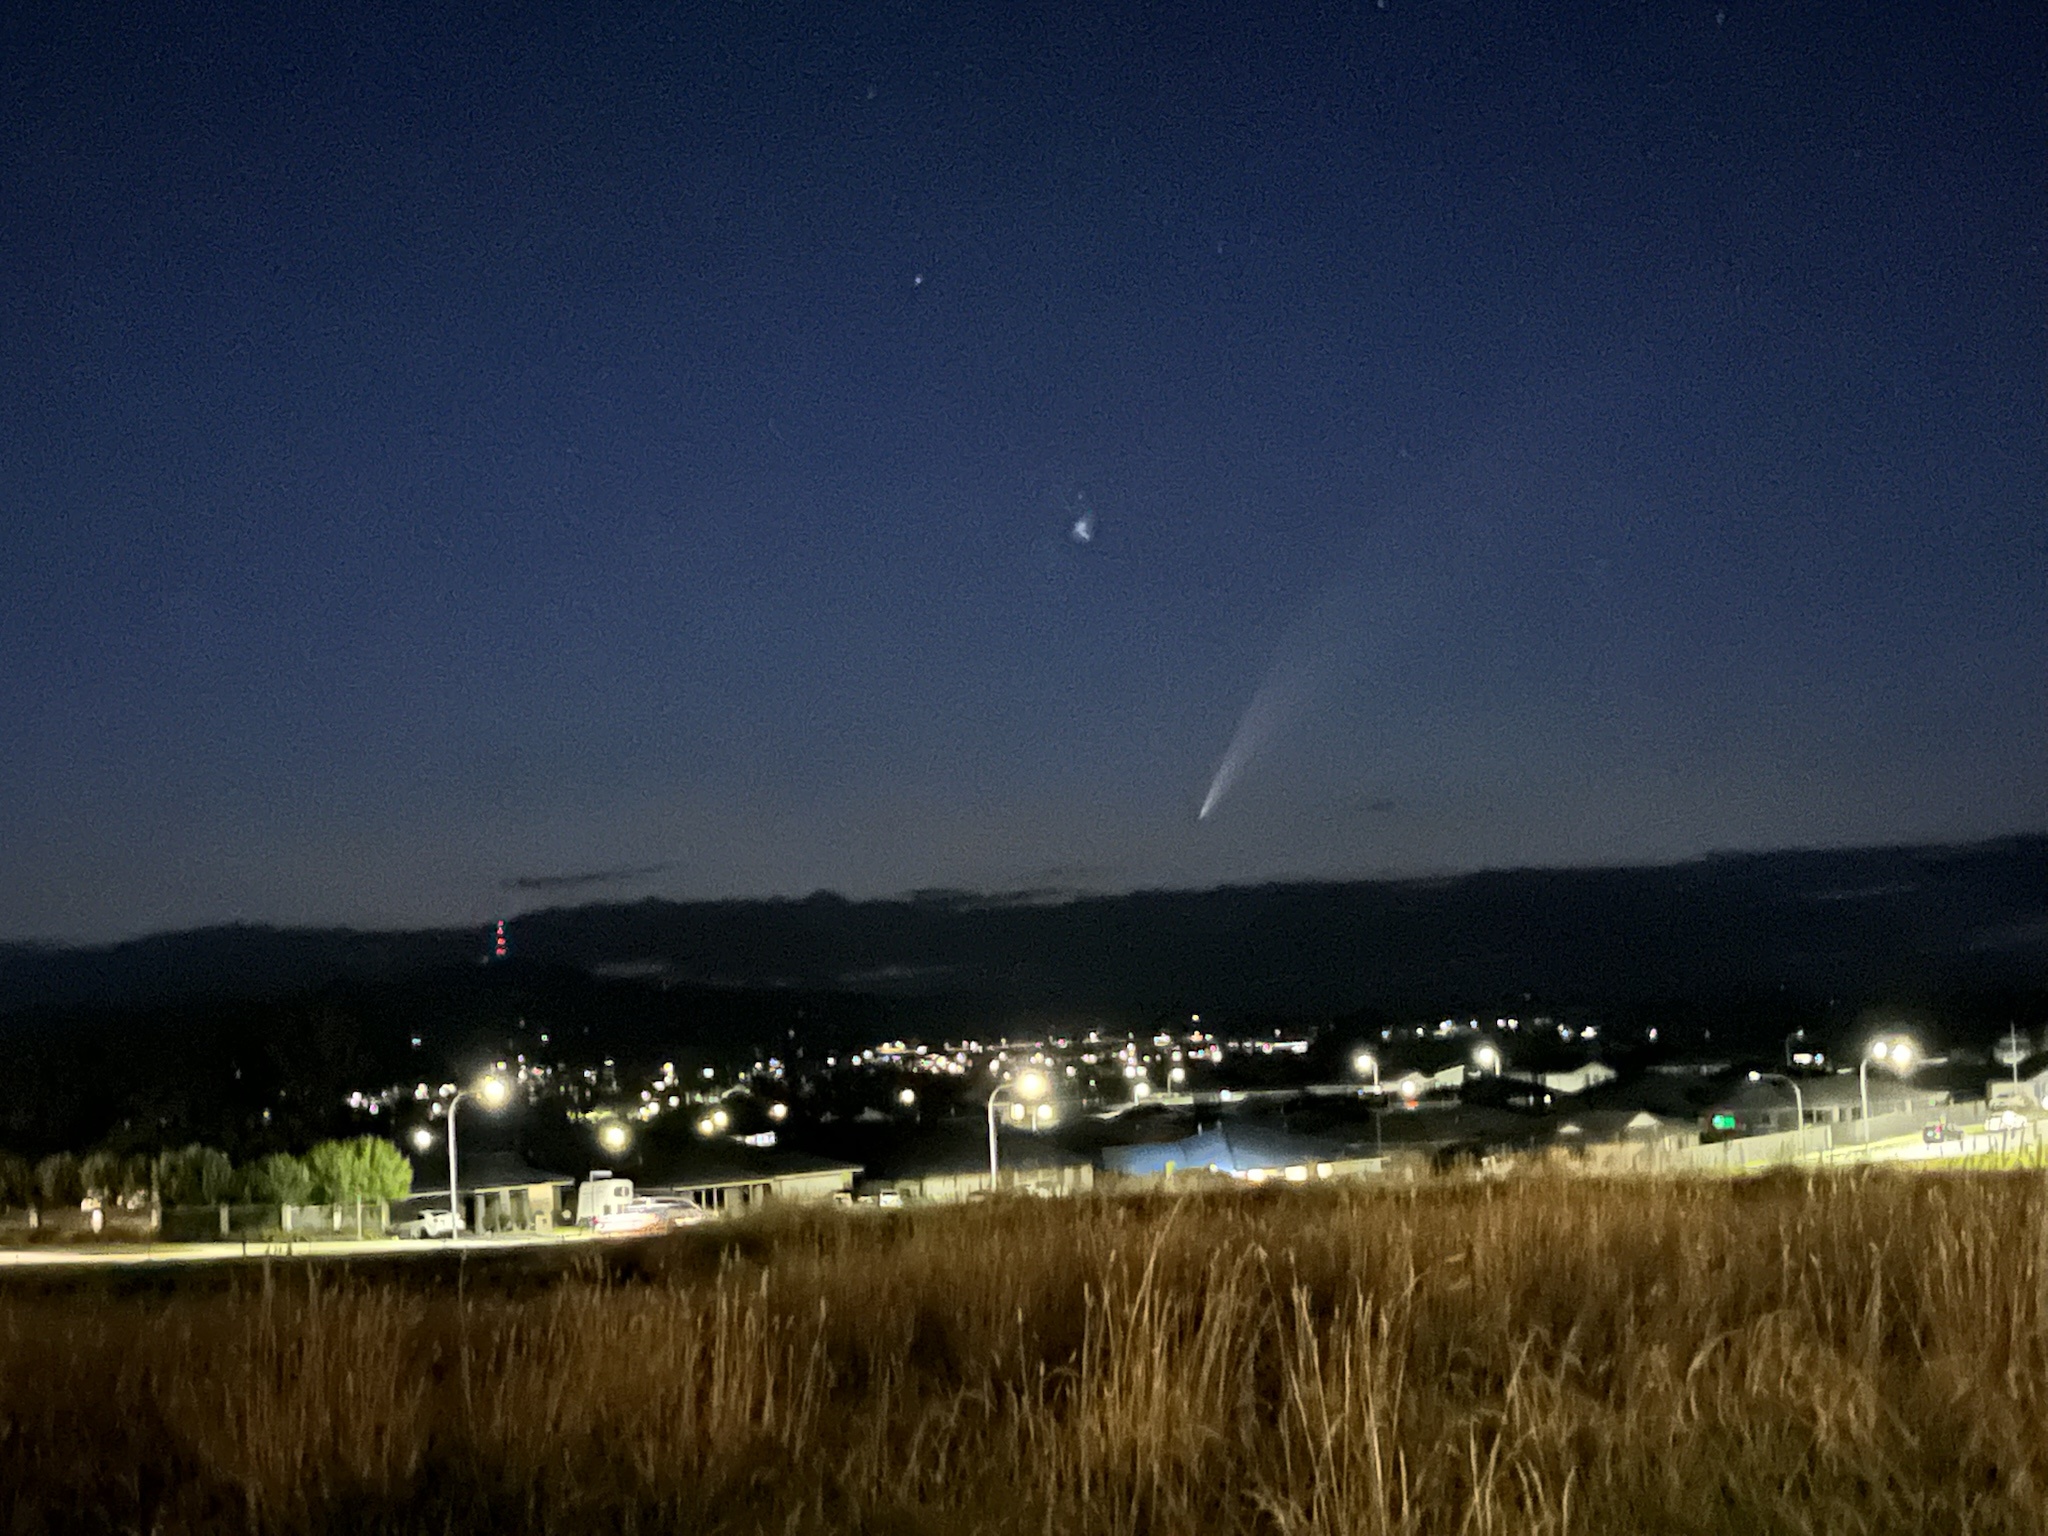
(458, 462)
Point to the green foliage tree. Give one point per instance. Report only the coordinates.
(364, 1168)
(17, 1180)
(279, 1179)
(195, 1175)
(57, 1181)
(136, 1170)
(328, 1165)
(100, 1173)
(387, 1172)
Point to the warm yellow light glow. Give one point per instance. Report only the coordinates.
(422, 1138)
(1364, 1064)
(720, 1119)
(1031, 1085)
(493, 1091)
(778, 1111)
(613, 1137)
(906, 1098)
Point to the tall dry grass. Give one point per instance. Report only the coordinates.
(1865, 1353)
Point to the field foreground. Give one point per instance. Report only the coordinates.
(1862, 1353)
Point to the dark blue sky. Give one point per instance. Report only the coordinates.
(517, 443)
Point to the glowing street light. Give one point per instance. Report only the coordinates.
(1028, 1085)
(422, 1138)
(1489, 1059)
(907, 1097)
(1897, 1052)
(492, 1093)
(1366, 1064)
(1798, 1098)
(613, 1136)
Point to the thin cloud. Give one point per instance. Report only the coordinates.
(583, 879)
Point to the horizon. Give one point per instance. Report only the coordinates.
(1007, 899)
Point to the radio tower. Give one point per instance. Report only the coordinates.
(498, 943)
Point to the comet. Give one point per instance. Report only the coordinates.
(1306, 653)
(1289, 685)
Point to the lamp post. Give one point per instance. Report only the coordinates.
(1896, 1053)
(1488, 1059)
(1031, 1085)
(492, 1091)
(1365, 1062)
(1798, 1098)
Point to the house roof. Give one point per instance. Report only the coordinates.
(480, 1171)
(1597, 1125)
(963, 1148)
(1227, 1148)
(712, 1163)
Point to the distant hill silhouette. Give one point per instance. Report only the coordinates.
(1871, 923)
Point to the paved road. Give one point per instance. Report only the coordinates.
(90, 1255)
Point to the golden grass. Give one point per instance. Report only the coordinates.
(1860, 1353)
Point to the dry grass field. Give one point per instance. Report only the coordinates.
(1855, 1354)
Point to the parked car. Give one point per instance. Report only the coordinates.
(648, 1214)
(428, 1223)
(1937, 1131)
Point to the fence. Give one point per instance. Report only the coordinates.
(1845, 1140)
(218, 1223)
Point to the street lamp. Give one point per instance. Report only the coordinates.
(1798, 1098)
(1029, 1085)
(1897, 1053)
(422, 1138)
(1488, 1059)
(1365, 1062)
(492, 1092)
(613, 1136)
